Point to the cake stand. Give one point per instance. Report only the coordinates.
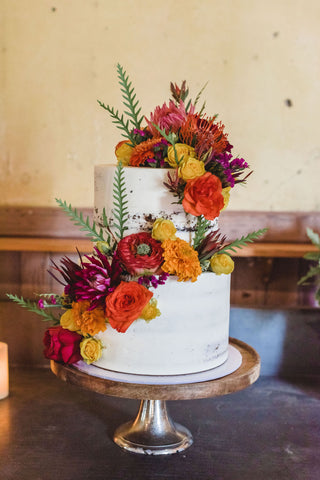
(153, 432)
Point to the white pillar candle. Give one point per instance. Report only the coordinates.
(4, 371)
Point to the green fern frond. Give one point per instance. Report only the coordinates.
(120, 209)
(201, 228)
(129, 98)
(243, 241)
(33, 307)
(77, 219)
(119, 121)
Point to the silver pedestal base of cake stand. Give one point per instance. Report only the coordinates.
(153, 432)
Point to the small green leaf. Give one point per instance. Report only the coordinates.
(315, 256)
(313, 271)
(314, 237)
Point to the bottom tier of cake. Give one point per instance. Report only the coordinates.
(191, 334)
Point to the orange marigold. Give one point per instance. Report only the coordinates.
(180, 259)
(89, 321)
(143, 151)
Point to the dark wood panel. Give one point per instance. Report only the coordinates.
(53, 222)
(38, 222)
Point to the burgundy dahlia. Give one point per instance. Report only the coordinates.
(91, 280)
(140, 254)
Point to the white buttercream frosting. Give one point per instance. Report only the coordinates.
(148, 199)
(192, 332)
(190, 335)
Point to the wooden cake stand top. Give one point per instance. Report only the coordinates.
(246, 374)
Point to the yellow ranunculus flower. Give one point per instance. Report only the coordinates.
(226, 196)
(163, 230)
(150, 311)
(183, 151)
(190, 168)
(221, 263)
(91, 349)
(123, 152)
(67, 321)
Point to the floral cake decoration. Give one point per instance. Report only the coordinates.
(112, 287)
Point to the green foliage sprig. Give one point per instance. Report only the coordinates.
(197, 100)
(131, 103)
(201, 228)
(314, 270)
(77, 219)
(243, 241)
(33, 307)
(120, 209)
(129, 98)
(119, 121)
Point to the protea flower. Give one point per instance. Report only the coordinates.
(169, 117)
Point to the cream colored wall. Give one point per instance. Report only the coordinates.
(58, 57)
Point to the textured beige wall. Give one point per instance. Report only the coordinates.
(58, 57)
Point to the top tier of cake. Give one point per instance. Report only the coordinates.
(148, 199)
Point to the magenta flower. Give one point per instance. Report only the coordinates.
(153, 281)
(166, 117)
(40, 303)
(92, 280)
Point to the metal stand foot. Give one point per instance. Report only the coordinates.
(153, 432)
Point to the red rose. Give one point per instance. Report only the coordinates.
(125, 304)
(62, 345)
(203, 196)
(140, 254)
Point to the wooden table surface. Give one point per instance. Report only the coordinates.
(50, 430)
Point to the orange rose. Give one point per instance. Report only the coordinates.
(125, 304)
(203, 196)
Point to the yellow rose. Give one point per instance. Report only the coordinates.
(163, 230)
(221, 263)
(183, 151)
(191, 168)
(123, 152)
(150, 311)
(226, 196)
(67, 321)
(91, 349)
